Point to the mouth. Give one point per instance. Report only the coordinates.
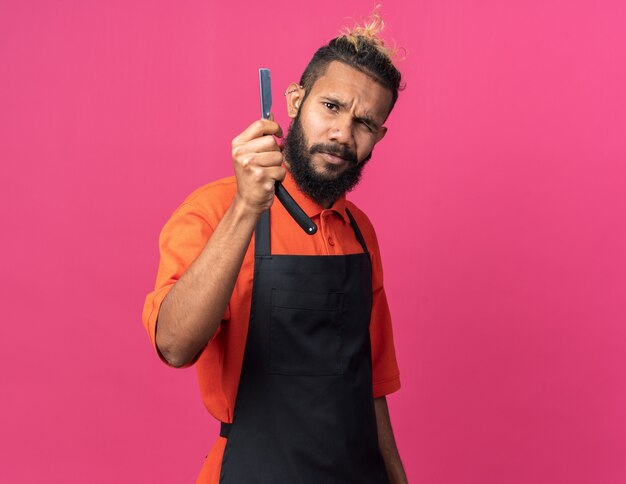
(332, 158)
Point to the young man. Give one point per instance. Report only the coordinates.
(290, 333)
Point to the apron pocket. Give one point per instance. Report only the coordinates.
(306, 333)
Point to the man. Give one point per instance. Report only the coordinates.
(290, 332)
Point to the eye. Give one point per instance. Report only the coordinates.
(362, 122)
(331, 106)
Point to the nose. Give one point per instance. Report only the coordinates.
(341, 132)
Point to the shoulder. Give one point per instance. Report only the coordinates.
(214, 193)
(211, 201)
(365, 225)
(362, 219)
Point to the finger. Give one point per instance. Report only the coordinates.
(257, 162)
(279, 134)
(260, 127)
(277, 173)
(273, 158)
(263, 144)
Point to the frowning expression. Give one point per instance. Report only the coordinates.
(341, 117)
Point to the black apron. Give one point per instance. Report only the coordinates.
(304, 412)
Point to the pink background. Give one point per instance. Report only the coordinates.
(499, 196)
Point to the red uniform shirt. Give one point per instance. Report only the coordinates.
(219, 366)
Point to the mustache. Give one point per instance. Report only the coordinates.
(335, 149)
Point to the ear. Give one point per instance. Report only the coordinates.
(382, 131)
(294, 94)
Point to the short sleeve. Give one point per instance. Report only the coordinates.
(182, 239)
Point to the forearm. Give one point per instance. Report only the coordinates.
(193, 309)
(387, 443)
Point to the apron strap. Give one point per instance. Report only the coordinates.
(262, 235)
(357, 231)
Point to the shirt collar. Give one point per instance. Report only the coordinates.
(310, 206)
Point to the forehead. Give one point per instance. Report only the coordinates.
(353, 87)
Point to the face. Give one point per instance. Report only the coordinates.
(334, 130)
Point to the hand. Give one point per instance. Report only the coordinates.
(257, 159)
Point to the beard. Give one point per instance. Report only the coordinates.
(324, 187)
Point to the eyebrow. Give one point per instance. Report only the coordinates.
(365, 118)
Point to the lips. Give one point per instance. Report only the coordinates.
(332, 158)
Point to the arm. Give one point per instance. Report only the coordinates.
(387, 443)
(192, 310)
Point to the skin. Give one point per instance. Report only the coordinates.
(345, 107)
(387, 443)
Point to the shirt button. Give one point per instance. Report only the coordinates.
(331, 241)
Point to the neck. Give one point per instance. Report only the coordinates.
(326, 203)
